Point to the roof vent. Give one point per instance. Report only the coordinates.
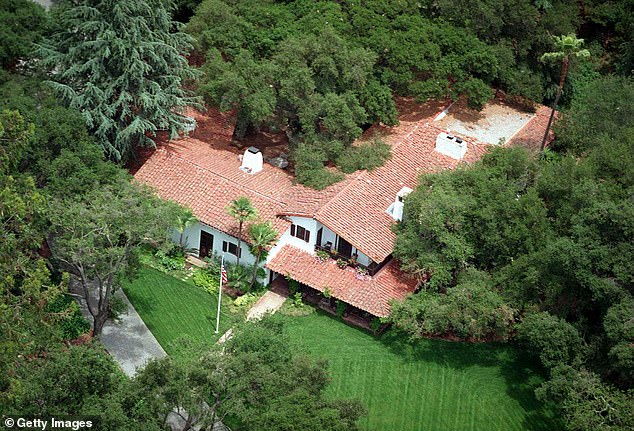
(189, 125)
(451, 146)
(396, 209)
(251, 161)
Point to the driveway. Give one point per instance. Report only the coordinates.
(127, 339)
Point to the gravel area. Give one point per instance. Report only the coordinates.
(489, 126)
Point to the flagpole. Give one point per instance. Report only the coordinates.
(222, 268)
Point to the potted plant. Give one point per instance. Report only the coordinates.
(342, 263)
(322, 255)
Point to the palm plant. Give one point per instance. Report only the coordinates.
(567, 46)
(263, 236)
(242, 210)
(184, 220)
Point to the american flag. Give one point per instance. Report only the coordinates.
(223, 273)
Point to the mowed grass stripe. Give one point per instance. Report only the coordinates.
(451, 386)
(172, 308)
(433, 385)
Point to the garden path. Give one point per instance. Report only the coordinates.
(270, 302)
(127, 339)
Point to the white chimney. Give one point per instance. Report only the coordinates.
(398, 205)
(451, 146)
(251, 161)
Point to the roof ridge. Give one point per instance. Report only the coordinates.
(241, 186)
(365, 171)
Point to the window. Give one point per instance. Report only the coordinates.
(232, 248)
(300, 232)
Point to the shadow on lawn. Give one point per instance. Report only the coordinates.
(521, 370)
(141, 303)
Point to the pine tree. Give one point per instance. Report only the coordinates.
(122, 64)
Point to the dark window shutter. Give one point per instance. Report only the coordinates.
(292, 230)
(224, 245)
(307, 236)
(239, 251)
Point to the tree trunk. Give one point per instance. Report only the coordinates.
(239, 242)
(552, 112)
(255, 270)
(99, 321)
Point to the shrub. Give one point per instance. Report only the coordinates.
(293, 286)
(117, 307)
(341, 308)
(246, 300)
(368, 156)
(71, 321)
(342, 263)
(297, 300)
(206, 280)
(375, 325)
(169, 262)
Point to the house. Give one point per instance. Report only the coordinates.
(351, 220)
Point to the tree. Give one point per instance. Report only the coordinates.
(22, 23)
(183, 221)
(586, 402)
(96, 236)
(471, 310)
(123, 66)
(256, 379)
(485, 216)
(556, 341)
(263, 236)
(66, 379)
(242, 210)
(567, 47)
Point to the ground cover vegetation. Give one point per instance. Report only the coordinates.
(539, 250)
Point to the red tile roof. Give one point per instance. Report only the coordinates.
(358, 212)
(371, 294)
(199, 172)
(530, 136)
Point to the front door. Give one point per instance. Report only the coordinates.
(344, 248)
(206, 244)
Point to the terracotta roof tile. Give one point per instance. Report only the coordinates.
(358, 212)
(530, 136)
(371, 294)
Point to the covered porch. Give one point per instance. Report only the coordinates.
(364, 295)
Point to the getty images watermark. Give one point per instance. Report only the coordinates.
(50, 423)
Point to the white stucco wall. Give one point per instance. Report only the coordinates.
(328, 235)
(191, 237)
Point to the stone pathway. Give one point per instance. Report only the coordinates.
(127, 339)
(270, 302)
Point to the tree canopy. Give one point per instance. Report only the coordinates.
(553, 241)
(122, 65)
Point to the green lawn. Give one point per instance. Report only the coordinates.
(172, 309)
(434, 386)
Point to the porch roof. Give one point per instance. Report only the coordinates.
(371, 294)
